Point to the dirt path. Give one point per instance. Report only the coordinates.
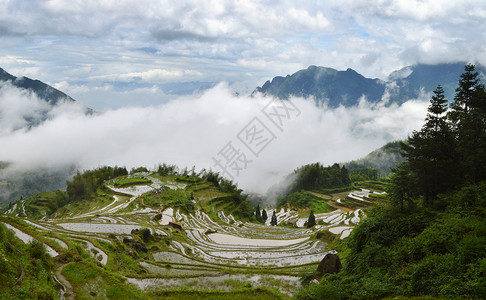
(68, 288)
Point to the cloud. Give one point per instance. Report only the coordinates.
(20, 109)
(192, 130)
(242, 42)
(179, 34)
(155, 75)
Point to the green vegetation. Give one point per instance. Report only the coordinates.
(88, 279)
(238, 202)
(316, 176)
(26, 269)
(256, 294)
(308, 179)
(361, 174)
(311, 222)
(304, 199)
(129, 181)
(169, 198)
(429, 241)
(152, 250)
(84, 185)
(273, 222)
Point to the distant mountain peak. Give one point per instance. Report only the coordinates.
(347, 87)
(325, 85)
(45, 92)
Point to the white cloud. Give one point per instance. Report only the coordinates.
(236, 41)
(156, 75)
(191, 130)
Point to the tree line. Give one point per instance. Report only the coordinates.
(450, 148)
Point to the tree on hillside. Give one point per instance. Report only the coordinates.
(311, 222)
(403, 188)
(430, 151)
(468, 116)
(258, 214)
(450, 148)
(273, 222)
(264, 215)
(316, 176)
(469, 84)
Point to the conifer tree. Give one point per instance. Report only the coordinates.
(311, 222)
(430, 151)
(274, 219)
(264, 215)
(468, 117)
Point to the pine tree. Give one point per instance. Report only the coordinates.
(257, 212)
(468, 85)
(430, 151)
(274, 219)
(468, 117)
(311, 222)
(264, 215)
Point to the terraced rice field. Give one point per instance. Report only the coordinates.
(208, 253)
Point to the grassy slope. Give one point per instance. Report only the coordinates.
(416, 253)
(26, 269)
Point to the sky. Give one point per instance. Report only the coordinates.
(111, 54)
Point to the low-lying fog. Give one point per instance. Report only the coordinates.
(257, 139)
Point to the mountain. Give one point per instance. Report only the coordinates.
(43, 91)
(340, 87)
(346, 87)
(410, 80)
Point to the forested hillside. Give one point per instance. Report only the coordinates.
(430, 239)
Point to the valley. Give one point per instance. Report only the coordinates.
(177, 235)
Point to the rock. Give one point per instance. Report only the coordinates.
(329, 264)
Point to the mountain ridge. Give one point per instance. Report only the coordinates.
(44, 92)
(347, 87)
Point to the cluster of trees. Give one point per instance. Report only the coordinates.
(84, 185)
(241, 204)
(312, 177)
(361, 174)
(316, 176)
(449, 150)
(261, 216)
(173, 170)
